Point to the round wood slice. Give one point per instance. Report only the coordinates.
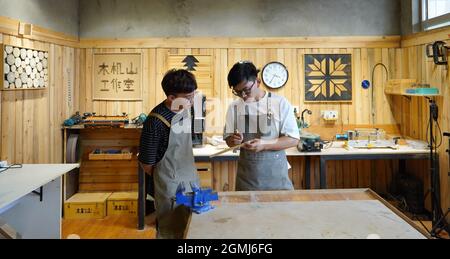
(46, 55)
(18, 62)
(10, 77)
(23, 64)
(37, 60)
(9, 49)
(16, 75)
(6, 84)
(41, 82)
(41, 55)
(42, 74)
(12, 86)
(35, 53)
(18, 83)
(33, 75)
(32, 63)
(30, 82)
(29, 53)
(6, 68)
(39, 66)
(27, 61)
(28, 70)
(45, 63)
(23, 53)
(24, 85)
(24, 77)
(13, 68)
(10, 59)
(46, 78)
(20, 70)
(16, 52)
(35, 83)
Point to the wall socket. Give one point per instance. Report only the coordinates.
(330, 115)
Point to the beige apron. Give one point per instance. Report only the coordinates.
(266, 170)
(177, 165)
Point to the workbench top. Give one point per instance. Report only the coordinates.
(335, 149)
(349, 213)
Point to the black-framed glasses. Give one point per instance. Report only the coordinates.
(246, 90)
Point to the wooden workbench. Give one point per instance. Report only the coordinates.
(350, 213)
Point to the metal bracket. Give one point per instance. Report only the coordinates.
(40, 193)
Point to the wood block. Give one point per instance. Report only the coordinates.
(122, 203)
(204, 170)
(122, 156)
(86, 206)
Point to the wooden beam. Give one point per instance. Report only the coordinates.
(33, 32)
(426, 37)
(238, 43)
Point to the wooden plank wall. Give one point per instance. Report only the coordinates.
(355, 114)
(155, 65)
(31, 119)
(415, 111)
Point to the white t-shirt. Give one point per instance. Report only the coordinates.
(282, 117)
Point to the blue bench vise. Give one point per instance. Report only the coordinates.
(198, 200)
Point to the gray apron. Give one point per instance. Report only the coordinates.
(177, 165)
(265, 170)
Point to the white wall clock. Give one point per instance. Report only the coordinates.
(275, 75)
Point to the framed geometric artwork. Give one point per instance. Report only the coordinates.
(328, 78)
(117, 76)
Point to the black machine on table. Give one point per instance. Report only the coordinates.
(308, 142)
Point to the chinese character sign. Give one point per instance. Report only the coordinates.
(117, 76)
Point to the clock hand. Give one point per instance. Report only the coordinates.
(272, 78)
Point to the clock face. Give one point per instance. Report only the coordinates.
(275, 75)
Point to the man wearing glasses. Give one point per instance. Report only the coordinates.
(266, 124)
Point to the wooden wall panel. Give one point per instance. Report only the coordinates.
(31, 119)
(415, 112)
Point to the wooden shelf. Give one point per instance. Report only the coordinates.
(406, 94)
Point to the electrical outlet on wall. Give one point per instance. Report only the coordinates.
(330, 115)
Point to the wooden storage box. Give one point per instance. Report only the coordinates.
(122, 203)
(122, 156)
(86, 206)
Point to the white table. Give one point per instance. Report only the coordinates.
(33, 214)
